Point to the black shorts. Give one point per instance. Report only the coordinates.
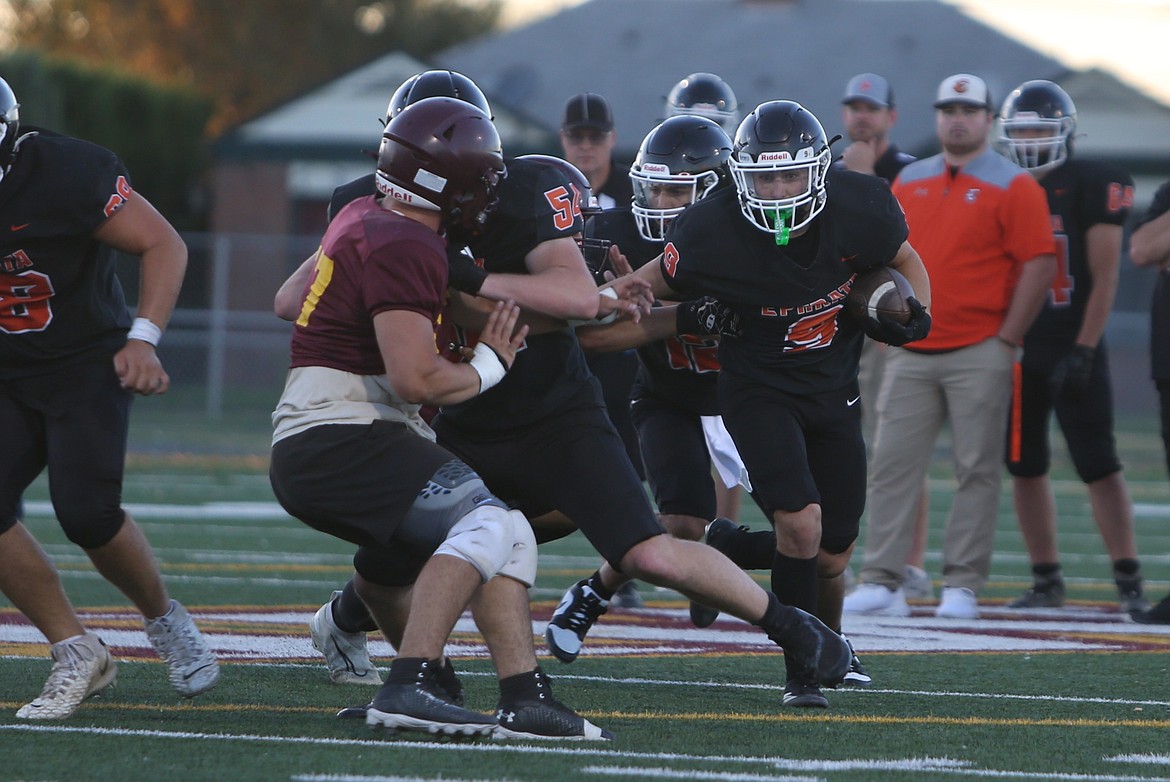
(74, 421)
(354, 481)
(573, 462)
(678, 464)
(1087, 425)
(800, 450)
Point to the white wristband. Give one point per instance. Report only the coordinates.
(145, 331)
(609, 293)
(489, 366)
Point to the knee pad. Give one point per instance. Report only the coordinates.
(494, 541)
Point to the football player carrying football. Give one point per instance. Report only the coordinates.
(781, 249)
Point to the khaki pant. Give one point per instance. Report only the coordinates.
(970, 389)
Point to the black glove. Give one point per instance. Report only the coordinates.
(706, 317)
(891, 332)
(1070, 378)
(463, 273)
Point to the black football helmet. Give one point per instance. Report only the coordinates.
(443, 154)
(1042, 106)
(777, 137)
(685, 150)
(9, 124)
(595, 251)
(437, 84)
(706, 95)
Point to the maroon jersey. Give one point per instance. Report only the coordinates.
(371, 260)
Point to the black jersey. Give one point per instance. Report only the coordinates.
(790, 299)
(350, 191)
(1081, 194)
(536, 205)
(60, 301)
(682, 369)
(1160, 307)
(888, 166)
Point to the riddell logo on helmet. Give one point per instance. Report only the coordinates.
(768, 157)
(655, 168)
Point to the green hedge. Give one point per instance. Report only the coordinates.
(157, 131)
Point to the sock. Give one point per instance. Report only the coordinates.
(350, 613)
(795, 581)
(594, 582)
(1047, 573)
(1127, 574)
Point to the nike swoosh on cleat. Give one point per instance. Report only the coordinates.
(20, 227)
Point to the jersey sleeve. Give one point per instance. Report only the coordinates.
(556, 206)
(104, 184)
(875, 220)
(1107, 196)
(1026, 220)
(404, 275)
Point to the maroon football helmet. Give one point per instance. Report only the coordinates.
(443, 154)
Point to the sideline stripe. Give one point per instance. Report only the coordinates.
(931, 765)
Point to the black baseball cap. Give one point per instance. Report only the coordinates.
(587, 110)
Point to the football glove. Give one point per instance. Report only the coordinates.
(1070, 377)
(706, 317)
(887, 330)
(463, 273)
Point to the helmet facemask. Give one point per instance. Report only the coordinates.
(1040, 152)
(649, 182)
(782, 216)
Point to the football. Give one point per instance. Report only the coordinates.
(881, 291)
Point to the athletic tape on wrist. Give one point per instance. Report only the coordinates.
(487, 363)
(609, 293)
(145, 331)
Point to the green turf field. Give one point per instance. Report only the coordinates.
(1071, 694)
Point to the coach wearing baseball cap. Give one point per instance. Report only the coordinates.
(963, 89)
(981, 225)
(588, 138)
(868, 114)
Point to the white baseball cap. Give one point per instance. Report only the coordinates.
(963, 88)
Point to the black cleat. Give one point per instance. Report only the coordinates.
(801, 692)
(1158, 615)
(528, 710)
(1049, 594)
(811, 643)
(422, 705)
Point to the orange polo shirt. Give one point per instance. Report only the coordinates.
(975, 228)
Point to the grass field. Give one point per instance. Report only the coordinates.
(1071, 694)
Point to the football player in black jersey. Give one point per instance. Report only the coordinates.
(1065, 367)
(541, 438)
(71, 359)
(782, 249)
(679, 162)
(1150, 247)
